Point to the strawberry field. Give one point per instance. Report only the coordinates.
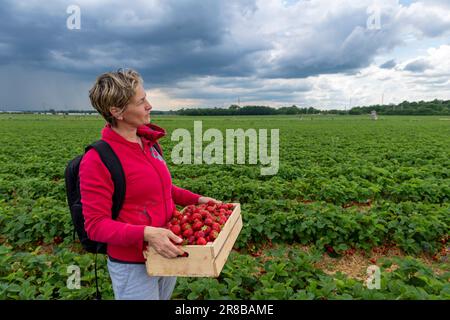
(349, 193)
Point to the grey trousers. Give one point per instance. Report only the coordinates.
(131, 282)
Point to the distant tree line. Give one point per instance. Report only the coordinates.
(235, 110)
(435, 107)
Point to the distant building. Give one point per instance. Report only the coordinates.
(373, 115)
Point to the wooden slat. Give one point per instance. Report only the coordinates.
(198, 264)
(228, 246)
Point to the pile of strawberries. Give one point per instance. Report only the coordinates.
(198, 225)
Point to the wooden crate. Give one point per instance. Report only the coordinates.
(203, 261)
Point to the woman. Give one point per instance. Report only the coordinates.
(150, 196)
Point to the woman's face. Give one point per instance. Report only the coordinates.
(137, 112)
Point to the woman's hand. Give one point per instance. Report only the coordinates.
(203, 200)
(160, 240)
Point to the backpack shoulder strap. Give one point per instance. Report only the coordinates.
(112, 162)
(158, 148)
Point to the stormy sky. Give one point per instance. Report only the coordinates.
(210, 53)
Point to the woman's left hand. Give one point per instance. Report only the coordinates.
(203, 200)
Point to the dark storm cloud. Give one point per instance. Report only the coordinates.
(418, 65)
(342, 43)
(388, 64)
(183, 38)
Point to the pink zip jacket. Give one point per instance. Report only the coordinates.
(150, 196)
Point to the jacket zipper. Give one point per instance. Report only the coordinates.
(147, 215)
(162, 185)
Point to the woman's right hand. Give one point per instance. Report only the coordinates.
(159, 239)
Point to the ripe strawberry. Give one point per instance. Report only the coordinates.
(176, 214)
(188, 233)
(176, 229)
(213, 235)
(216, 226)
(184, 219)
(210, 208)
(222, 220)
(200, 234)
(206, 230)
(57, 240)
(350, 252)
(201, 241)
(191, 240)
(196, 216)
(197, 225)
(208, 221)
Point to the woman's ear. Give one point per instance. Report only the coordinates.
(116, 113)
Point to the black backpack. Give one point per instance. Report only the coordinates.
(112, 162)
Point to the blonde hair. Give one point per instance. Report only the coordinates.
(114, 89)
